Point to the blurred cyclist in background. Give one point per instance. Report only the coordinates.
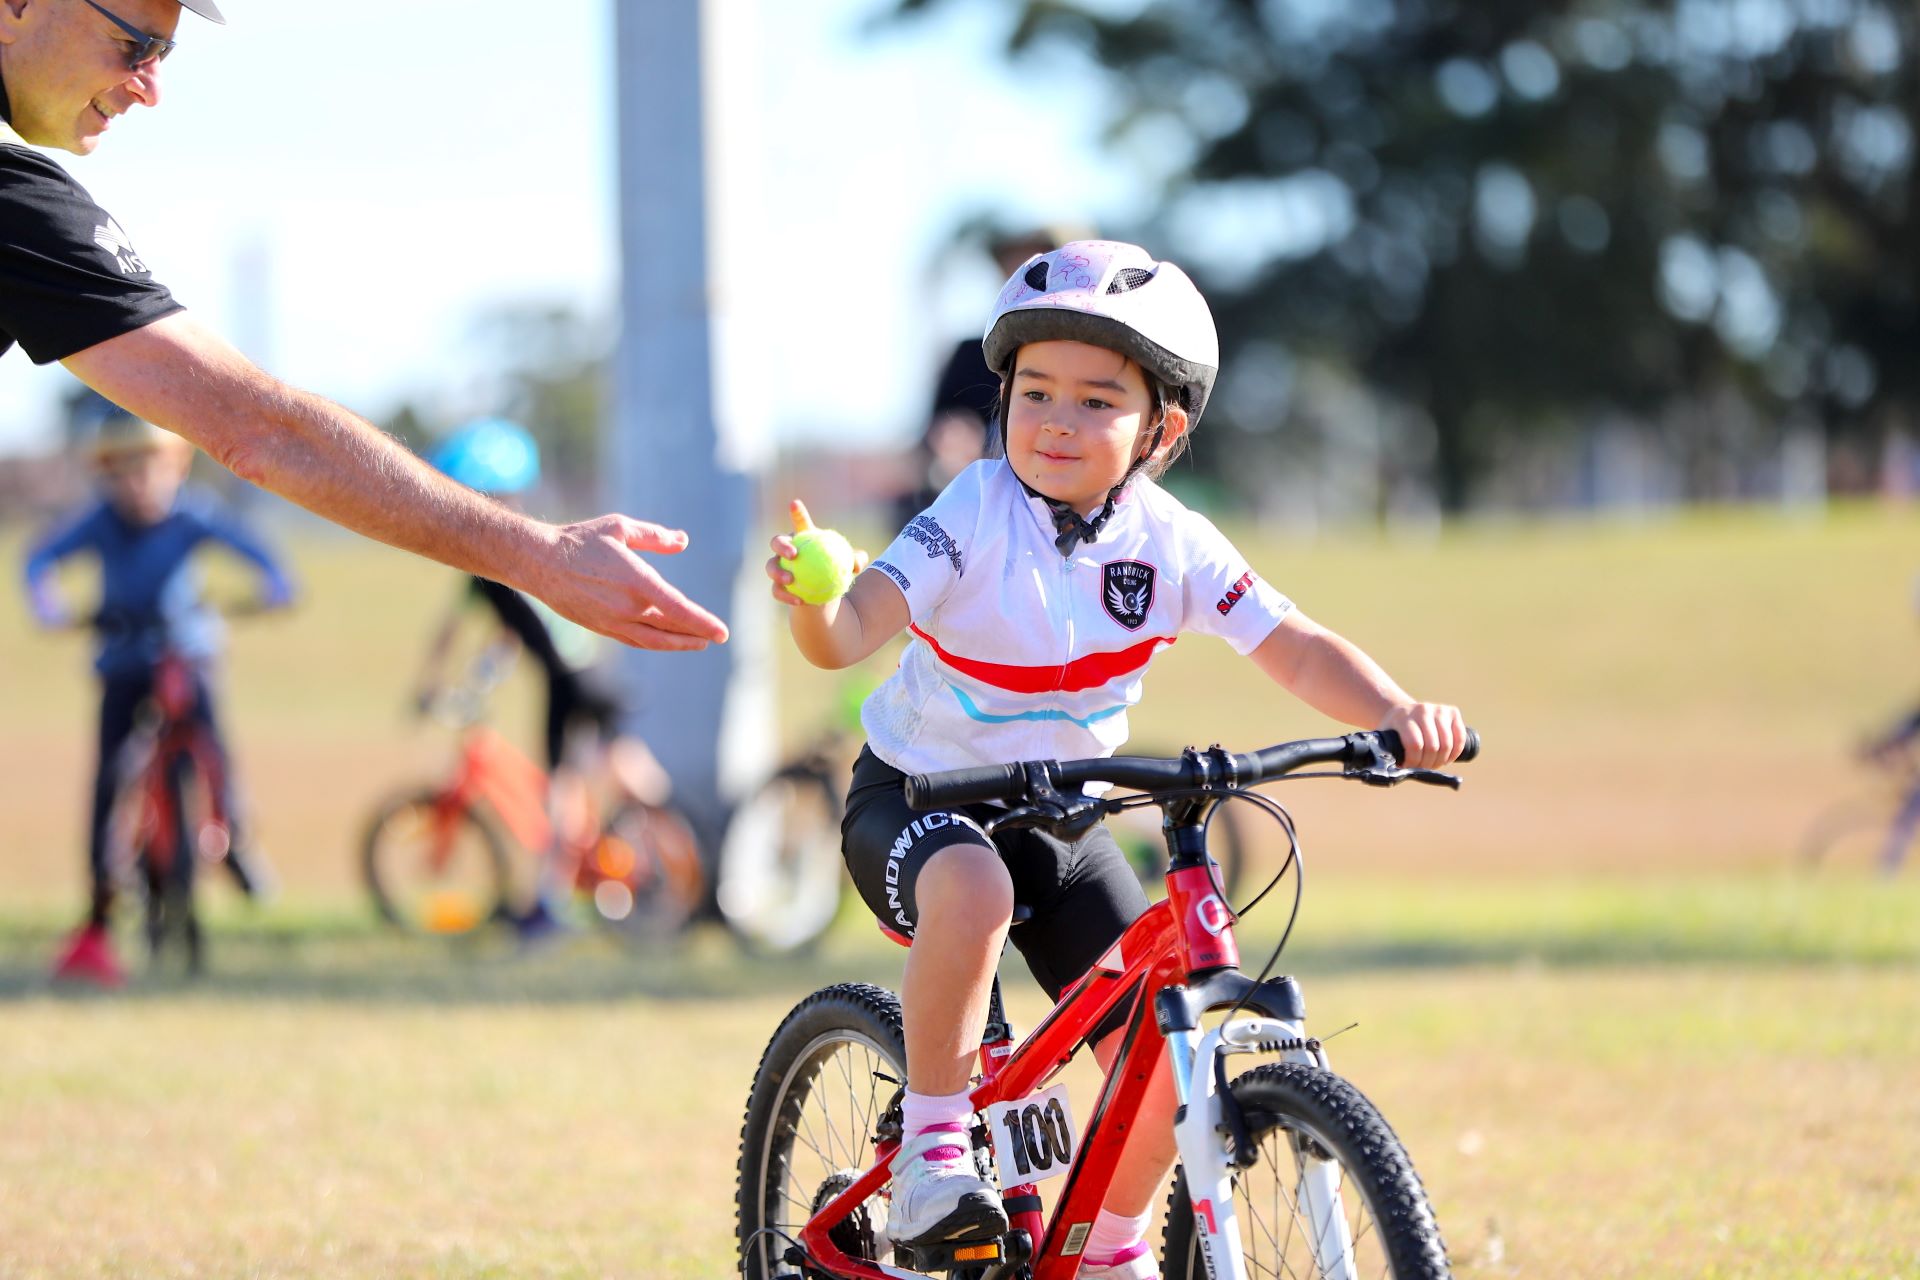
(583, 738)
(144, 531)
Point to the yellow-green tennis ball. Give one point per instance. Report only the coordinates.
(822, 565)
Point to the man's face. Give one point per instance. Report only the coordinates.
(66, 66)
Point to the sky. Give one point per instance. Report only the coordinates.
(340, 189)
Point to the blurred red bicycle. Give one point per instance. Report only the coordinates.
(437, 859)
(169, 811)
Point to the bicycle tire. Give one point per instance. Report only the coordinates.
(781, 879)
(466, 891)
(1289, 1106)
(162, 882)
(643, 878)
(1852, 837)
(830, 1077)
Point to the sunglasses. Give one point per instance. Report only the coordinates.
(145, 48)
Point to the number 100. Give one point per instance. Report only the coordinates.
(1039, 1139)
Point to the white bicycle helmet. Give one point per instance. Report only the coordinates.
(1112, 295)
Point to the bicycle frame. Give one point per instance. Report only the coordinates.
(171, 735)
(1186, 938)
(490, 768)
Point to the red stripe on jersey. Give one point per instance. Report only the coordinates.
(1088, 672)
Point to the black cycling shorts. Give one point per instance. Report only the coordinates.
(1083, 895)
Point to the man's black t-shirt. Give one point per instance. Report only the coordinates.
(69, 276)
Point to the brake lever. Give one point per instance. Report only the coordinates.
(1374, 777)
(1027, 815)
(1067, 816)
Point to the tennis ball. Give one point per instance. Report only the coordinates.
(822, 563)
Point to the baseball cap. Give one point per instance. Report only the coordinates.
(206, 9)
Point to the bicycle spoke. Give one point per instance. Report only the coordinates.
(846, 1072)
(810, 1141)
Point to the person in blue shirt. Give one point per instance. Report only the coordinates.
(143, 532)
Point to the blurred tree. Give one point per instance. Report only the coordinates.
(1516, 215)
(409, 426)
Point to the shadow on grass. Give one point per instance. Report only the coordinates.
(347, 962)
(344, 957)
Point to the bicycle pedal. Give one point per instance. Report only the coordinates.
(952, 1255)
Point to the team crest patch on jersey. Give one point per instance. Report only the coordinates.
(1126, 589)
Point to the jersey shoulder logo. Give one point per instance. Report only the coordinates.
(1126, 589)
(1238, 589)
(934, 540)
(119, 245)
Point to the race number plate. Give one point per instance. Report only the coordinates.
(1033, 1138)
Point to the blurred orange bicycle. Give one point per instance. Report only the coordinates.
(437, 858)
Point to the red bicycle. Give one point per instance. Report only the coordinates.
(436, 858)
(1287, 1171)
(169, 809)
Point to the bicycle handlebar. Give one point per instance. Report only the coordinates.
(124, 622)
(1012, 783)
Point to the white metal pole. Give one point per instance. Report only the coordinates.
(685, 438)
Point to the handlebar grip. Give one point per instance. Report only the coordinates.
(963, 786)
(1395, 748)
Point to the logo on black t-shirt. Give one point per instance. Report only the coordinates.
(120, 245)
(1126, 589)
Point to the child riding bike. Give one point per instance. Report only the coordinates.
(144, 531)
(583, 735)
(1037, 588)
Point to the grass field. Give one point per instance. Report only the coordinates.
(1620, 1035)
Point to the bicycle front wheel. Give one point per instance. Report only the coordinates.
(1333, 1193)
(434, 865)
(831, 1075)
(780, 875)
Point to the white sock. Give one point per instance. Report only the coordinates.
(922, 1111)
(1113, 1233)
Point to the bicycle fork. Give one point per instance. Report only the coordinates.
(1209, 1133)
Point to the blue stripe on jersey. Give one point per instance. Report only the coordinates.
(975, 713)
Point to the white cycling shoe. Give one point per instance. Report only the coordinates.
(940, 1196)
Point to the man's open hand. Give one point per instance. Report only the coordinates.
(596, 578)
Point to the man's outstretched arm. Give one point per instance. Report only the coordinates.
(181, 375)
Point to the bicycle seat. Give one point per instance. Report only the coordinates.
(1021, 914)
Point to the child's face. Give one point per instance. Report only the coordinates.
(142, 483)
(1076, 420)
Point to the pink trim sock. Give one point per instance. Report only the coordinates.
(942, 1112)
(1116, 1238)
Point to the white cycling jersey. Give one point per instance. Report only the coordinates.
(1020, 653)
